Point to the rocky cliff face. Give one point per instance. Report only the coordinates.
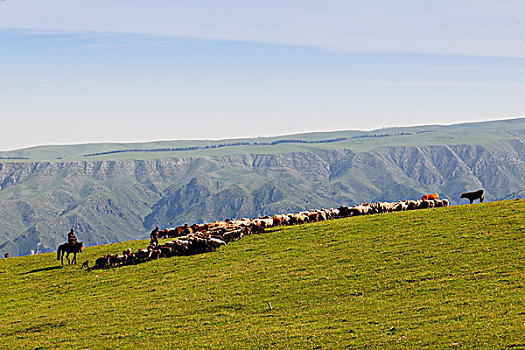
(109, 201)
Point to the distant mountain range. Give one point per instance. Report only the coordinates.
(115, 192)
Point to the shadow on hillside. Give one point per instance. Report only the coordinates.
(273, 229)
(43, 269)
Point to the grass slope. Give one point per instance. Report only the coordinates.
(441, 278)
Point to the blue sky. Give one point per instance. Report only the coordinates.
(113, 71)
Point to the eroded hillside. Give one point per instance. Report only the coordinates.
(116, 200)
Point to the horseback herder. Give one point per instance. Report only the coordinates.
(71, 237)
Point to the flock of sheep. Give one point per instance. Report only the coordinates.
(200, 238)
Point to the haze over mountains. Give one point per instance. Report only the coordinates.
(113, 192)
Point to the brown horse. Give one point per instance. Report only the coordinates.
(471, 196)
(430, 196)
(69, 248)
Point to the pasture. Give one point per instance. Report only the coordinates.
(437, 278)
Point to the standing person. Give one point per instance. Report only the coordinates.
(71, 237)
(154, 236)
(6, 255)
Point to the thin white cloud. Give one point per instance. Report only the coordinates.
(449, 84)
(465, 68)
(450, 27)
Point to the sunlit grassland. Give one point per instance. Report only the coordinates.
(439, 278)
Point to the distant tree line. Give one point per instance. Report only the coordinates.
(273, 143)
(173, 149)
(18, 158)
(231, 144)
(381, 135)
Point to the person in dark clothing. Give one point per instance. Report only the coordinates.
(154, 236)
(71, 237)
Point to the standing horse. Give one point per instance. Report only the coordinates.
(69, 248)
(471, 196)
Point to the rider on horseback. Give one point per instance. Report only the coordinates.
(71, 238)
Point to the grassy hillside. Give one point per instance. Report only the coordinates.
(110, 201)
(118, 196)
(442, 278)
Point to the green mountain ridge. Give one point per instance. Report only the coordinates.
(357, 140)
(115, 199)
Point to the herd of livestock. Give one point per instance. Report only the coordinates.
(200, 238)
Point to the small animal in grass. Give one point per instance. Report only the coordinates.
(85, 264)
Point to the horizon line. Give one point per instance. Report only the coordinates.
(255, 137)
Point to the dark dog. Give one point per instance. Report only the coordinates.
(85, 264)
(471, 196)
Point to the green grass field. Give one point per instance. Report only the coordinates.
(440, 278)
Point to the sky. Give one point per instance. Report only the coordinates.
(79, 71)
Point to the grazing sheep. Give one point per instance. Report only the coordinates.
(313, 216)
(400, 206)
(441, 203)
(155, 253)
(360, 210)
(143, 254)
(199, 238)
(165, 251)
(278, 220)
(163, 233)
(215, 242)
(103, 261)
(425, 204)
(344, 211)
(412, 205)
(255, 227)
(117, 260)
